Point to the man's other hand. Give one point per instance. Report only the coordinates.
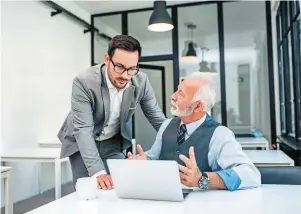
(141, 155)
(190, 174)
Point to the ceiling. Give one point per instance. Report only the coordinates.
(241, 24)
(95, 7)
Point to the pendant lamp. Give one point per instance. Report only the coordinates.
(189, 50)
(204, 64)
(160, 20)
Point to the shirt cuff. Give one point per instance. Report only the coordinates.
(102, 172)
(231, 179)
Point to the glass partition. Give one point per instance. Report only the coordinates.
(110, 26)
(246, 68)
(204, 35)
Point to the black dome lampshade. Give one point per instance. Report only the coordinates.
(189, 51)
(204, 68)
(160, 20)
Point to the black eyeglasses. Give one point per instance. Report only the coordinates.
(120, 69)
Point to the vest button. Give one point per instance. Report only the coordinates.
(178, 151)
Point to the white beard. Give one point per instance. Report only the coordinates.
(177, 112)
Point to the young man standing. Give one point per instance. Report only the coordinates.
(104, 98)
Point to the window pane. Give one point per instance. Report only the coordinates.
(247, 80)
(298, 60)
(110, 26)
(281, 90)
(296, 7)
(299, 33)
(288, 14)
(291, 87)
(278, 26)
(205, 37)
(153, 43)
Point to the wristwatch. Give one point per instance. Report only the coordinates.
(204, 181)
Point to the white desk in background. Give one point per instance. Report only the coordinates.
(57, 144)
(50, 144)
(269, 158)
(6, 174)
(268, 199)
(40, 155)
(253, 142)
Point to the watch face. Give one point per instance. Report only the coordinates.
(204, 182)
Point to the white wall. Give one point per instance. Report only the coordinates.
(40, 57)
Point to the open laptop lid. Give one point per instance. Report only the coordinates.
(145, 179)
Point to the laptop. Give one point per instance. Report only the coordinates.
(148, 180)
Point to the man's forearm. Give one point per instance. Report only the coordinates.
(89, 151)
(215, 181)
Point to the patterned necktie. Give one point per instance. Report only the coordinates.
(181, 134)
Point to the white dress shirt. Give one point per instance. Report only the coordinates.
(113, 126)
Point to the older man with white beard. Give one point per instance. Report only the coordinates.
(208, 155)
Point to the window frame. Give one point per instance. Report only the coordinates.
(288, 20)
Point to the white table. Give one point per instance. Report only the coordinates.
(253, 142)
(268, 199)
(57, 144)
(40, 155)
(50, 144)
(269, 158)
(6, 174)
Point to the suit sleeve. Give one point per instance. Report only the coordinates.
(150, 107)
(83, 122)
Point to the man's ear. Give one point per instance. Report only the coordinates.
(107, 59)
(198, 106)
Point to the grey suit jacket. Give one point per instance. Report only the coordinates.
(90, 112)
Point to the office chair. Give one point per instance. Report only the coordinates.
(290, 175)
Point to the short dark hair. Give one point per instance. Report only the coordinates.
(124, 42)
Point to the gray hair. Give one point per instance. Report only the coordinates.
(205, 93)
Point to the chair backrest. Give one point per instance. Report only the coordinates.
(290, 175)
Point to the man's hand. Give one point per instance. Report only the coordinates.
(105, 182)
(141, 155)
(190, 175)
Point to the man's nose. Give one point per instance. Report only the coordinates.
(125, 75)
(173, 97)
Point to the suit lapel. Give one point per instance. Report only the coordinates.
(126, 101)
(105, 95)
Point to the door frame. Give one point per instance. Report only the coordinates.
(162, 69)
(163, 85)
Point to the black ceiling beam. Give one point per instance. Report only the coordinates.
(60, 10)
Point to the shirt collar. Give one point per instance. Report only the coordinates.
(110, 85)
(191, 127)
